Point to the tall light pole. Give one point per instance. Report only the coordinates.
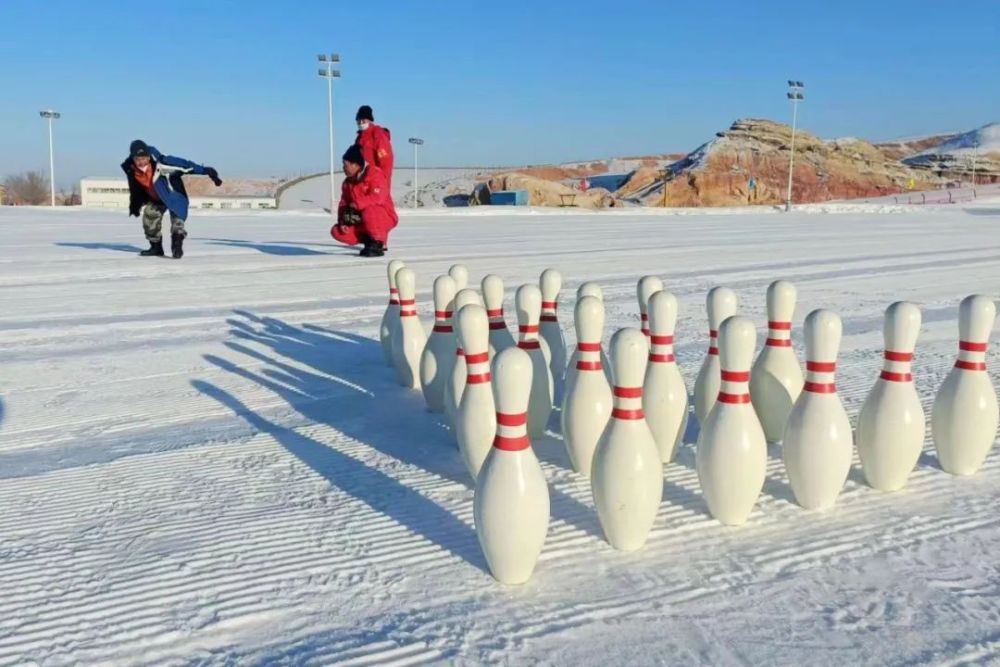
(975, 156)
(795, 95)
(416, 141)
(51, 115)
(328, 73)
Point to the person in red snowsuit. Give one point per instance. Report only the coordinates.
(366, 213)
(375, 142)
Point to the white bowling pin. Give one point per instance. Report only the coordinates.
(390, 318)
(500, 336)
(776, 377)
(511, 505)
(817, 444)
(721, 304)
(439, 353)
(460, 275)
(528, 300)
(664, 395)
(964, 418)
(627, 476)
(475, 419)
(646, 287)
(731, 455)
(412, 338)
(891, 425)
(594, 290)
(587, 405)
(590, 289)
(550, 283)
(456, 382)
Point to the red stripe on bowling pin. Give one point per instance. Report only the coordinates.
(713, 342)
(477, 375)
(735, 394)
(899, 375)
(779, 334)
(625, 403)
(512, 432)
(816, 380)
(971, 356)
(586, 350)
(408, 308)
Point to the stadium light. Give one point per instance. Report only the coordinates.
(51, 116)
(795, 95)
(416, 141)
(330, 74)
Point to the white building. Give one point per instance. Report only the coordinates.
(113, 193)
(104, 192)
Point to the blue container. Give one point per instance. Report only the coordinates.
(509, 198)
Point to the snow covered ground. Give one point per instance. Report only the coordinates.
(206, 462)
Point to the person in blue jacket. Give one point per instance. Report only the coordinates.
(155, 187)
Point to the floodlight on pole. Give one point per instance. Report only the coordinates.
(416, 141)
(330, 74)
(795, 95)
(51, 116)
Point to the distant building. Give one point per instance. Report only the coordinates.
(234, 194)
(104, 192)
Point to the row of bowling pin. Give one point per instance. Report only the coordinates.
(731, 479)
(817, 444)
(511, 503)
(891, 424)
(776, 379)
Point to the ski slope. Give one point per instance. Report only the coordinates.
(205, 461)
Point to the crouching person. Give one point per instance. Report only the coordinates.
(366, 214)
(155, 187)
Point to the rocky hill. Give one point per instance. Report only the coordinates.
(719, 172)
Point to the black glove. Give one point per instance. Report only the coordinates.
(350, 216)
(214, 175)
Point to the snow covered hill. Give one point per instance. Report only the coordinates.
(985, 139)
(977, 151)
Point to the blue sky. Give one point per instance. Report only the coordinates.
(234, 84)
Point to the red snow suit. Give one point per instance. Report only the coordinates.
(369, 194)
(376, 147)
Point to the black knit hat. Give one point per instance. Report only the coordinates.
(364, 113)
(138, 148)
(354, 156)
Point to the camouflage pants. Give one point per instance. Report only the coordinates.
(152, 222)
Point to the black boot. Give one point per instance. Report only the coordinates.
(367, 249)
(373, 248)
(155, 249)
(176, 245)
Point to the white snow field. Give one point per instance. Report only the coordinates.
(205, 461)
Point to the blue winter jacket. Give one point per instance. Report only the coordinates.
(166, 181)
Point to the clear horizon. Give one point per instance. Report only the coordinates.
(234, 85)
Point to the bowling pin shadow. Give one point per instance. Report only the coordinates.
(551, 449)
(675, 493)
(340, 379)
(692, 429)
(776, 485)
(929, 460)
(857, 475)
